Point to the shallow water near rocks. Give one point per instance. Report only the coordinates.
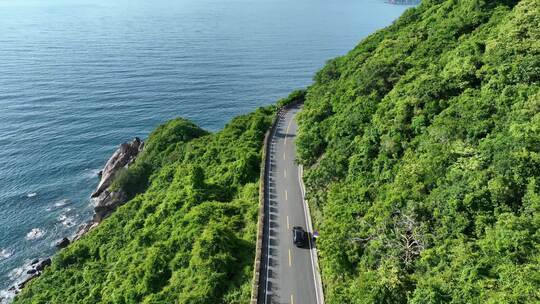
(77, 78)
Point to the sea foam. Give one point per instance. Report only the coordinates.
(6, 254)
(35, 234)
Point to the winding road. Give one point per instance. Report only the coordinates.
(288, 274)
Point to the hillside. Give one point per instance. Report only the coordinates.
(187, 236)
(422, 152)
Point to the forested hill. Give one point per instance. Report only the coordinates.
(187, 236)
(422, 150)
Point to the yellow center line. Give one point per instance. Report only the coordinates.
(287, 133)
(289, 126)
(290, 258)
(292, 299)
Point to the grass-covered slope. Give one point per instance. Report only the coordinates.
(422, 150)
(187, 236)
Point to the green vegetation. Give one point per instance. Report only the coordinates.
(422, 149)
(188, 234)
(297, 96)
(422, 156)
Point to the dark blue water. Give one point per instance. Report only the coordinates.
(79, 77)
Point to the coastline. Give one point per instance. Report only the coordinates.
(105, 202)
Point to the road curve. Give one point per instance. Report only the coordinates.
(288, 274)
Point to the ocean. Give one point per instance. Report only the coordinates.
(77, 78)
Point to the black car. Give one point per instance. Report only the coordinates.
(300, 236)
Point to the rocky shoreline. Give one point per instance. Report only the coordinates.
(106, 201)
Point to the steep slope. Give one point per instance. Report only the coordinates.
(187, 236)
(422, 152)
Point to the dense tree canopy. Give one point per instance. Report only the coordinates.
(422, 150)
(188, 234)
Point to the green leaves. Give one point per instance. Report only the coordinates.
(422, 155)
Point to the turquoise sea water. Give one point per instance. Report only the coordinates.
(79, 77)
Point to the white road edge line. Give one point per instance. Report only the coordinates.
(309, 227)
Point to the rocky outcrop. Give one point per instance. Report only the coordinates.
(106, 200)
(107, 203)
(83, 229)
(63, 243)
(122, 158)
(33, 270)
(44, 263)
(24, 282)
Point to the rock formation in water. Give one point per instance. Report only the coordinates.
(122, 158)
(106, 200)
(63, 243)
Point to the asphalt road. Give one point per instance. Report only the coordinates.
(289, 274)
